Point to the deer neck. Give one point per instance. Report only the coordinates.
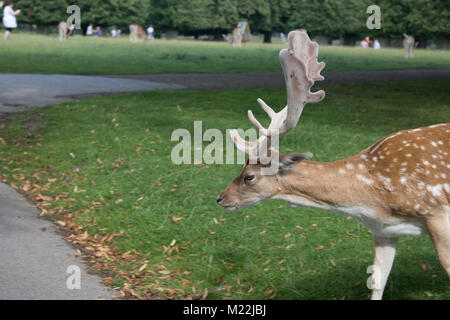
(326, 185)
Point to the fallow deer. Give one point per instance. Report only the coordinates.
(64, 30)
(237, 37)
(398, 186)
(137, 33)
(409, 44)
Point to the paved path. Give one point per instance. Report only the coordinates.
(21, 90)
(255, 80)
(33, 258)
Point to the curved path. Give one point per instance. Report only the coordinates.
(34, 258)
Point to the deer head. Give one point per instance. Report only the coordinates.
(261, 176)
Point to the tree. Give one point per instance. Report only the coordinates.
(265, 16)
(332, 18)
(99, 12)
(425, 19)
(46, 14)
(114, 12)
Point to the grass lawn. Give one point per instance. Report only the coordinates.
(101, 169)
(31, 53)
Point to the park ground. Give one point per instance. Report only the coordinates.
(31, 53)
(153, 228)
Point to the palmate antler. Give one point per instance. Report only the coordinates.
(300, 69)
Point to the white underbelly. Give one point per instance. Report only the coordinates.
(401, 229)
(368, 218)
(391, 228)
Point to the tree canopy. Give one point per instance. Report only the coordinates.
(332, 18)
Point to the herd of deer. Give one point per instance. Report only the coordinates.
(398, 186)
(137, 33)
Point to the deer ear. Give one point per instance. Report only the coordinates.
(288, 161)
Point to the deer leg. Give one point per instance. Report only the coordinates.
(438, 227)
(384, 257)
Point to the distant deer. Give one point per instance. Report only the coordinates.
(237, 37)
(64, 30)
(409, 44)
(398, 186)
(137, 33)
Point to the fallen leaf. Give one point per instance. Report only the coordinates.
(143, 267)
(176, 219)
(423, 266)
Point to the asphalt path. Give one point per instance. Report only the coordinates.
(36, 263)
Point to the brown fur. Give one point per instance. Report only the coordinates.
(64, 30)
(137, 33)
(409, 44)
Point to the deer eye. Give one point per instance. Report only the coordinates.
(249, 177)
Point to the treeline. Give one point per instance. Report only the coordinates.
(346, 19)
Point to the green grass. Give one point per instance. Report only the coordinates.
(109, 160)
(31, 53)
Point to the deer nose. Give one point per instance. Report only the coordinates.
(219, 199)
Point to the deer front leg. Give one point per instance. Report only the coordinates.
(438, 226)
(384, 257)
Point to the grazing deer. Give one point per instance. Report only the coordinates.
(137, 33)
(64, 30)
(398, 186)
(237, 37)
(409, 44)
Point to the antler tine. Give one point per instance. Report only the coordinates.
(255, 122)
(266, 108)
(241, 144)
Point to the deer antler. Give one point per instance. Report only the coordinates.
(300, 69)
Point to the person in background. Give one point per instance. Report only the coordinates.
(365, 43)
(150, 32)
(9, 18)
(114, 33)
(376, 44)
(98, 31)
(118, 33)
(90, 30)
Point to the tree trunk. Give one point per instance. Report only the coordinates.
(218, 34)
(267, 37)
